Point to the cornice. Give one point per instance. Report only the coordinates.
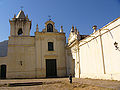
(21, 45)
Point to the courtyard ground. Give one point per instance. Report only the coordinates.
(58, 84)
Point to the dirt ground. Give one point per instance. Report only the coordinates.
(60, 84)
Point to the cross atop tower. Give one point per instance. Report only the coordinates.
(19, 29)
(21, 7)
(49, 17)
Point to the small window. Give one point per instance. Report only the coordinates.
(49, 28)
(50, 46)
(20, 32)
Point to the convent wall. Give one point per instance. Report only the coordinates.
(97, 56)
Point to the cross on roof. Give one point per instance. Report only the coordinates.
(49, 17)
(21, 7)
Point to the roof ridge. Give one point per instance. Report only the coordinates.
(110, 23)
(20, 14)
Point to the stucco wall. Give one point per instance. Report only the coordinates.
(70, 62)
(42, 53)
(111, 55)
(3, 48)
(21, 57)
(98, 55)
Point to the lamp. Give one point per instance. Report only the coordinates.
(116, 45)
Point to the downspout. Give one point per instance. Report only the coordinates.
(35, 58)
(66, 59)
(102, 52)
(78, 56)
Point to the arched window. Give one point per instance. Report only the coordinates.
(49, 28)
(20, 32)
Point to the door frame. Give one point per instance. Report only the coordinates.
(54, 67)
(3, 69)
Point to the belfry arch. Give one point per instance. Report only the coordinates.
(20, 32)
(49, 27)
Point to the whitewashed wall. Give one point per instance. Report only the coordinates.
(99, 58)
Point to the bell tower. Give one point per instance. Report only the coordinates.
(20, 25)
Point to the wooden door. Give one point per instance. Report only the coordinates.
(3, 72)
(51, 70)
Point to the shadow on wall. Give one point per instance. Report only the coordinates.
(3, 48)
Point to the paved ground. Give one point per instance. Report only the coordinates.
(61, 84)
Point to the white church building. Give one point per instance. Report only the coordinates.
(47, 54)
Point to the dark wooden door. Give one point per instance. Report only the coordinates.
(3, 71)
(51, 70)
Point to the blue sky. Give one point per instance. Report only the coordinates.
(81, 13)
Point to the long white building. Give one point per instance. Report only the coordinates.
(98, 55)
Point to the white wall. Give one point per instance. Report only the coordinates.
(98, 55)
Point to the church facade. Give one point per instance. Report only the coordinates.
(48, 55)
(42, 55)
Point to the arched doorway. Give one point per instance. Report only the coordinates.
(3, 71)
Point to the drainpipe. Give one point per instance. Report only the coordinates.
(36, 57)
(78, 56)
(102, 52)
